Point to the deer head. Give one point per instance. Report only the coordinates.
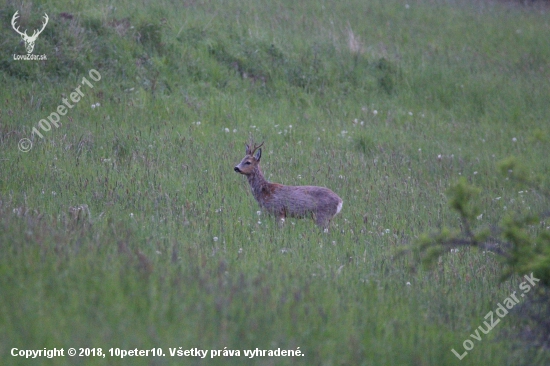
(29, 41)
(251, 160)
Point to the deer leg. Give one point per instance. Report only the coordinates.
(281, 218)
(323, 222)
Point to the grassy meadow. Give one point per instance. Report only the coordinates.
(126, 226)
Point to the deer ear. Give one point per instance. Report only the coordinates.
(258, 155)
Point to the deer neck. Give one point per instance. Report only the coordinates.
(257, 182)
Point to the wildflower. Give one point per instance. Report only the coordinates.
(514, 139)
(215, 238)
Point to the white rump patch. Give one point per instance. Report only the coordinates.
(339, 207)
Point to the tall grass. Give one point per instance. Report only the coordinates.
(127, 227)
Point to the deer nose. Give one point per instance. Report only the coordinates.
(237, 169)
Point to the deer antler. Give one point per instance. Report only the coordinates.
(36, 33)
(250, 151)
(24, 34)
(15, 16)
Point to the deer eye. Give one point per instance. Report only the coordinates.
(247, 163)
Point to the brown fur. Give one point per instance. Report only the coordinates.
(288, 201)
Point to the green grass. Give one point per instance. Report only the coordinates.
(169, 250)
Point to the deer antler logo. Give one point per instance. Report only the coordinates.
(29, 41)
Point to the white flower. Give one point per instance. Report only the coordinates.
(514, 139)
(479, 217)
(93, 106)
(408, 283)
(215, 238)
(375, 112)
(234, 130)
(97, 104)
(226, 129)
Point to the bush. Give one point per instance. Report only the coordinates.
(521, 240)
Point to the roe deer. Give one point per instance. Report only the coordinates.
(293, 201)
